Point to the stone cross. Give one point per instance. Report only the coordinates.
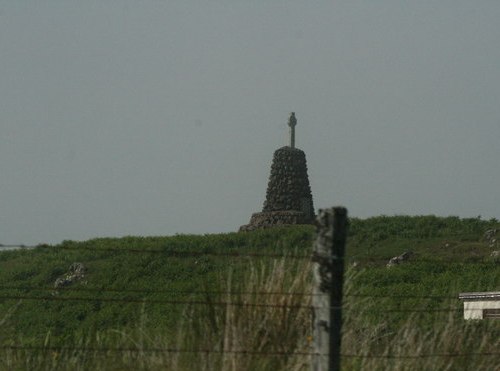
(292, 121)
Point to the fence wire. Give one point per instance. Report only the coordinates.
(233, 351)
(56, 296)
(171, 253)
(225, 304)
(215, 292)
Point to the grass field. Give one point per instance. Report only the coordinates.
(249, 298)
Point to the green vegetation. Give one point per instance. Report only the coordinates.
(147, 267)
(132, 300)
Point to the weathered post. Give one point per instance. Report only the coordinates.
(328, 270)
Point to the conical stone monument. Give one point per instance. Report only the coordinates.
(288, 198)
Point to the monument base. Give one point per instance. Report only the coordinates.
(268, 219)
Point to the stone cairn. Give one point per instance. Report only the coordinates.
(288, 198)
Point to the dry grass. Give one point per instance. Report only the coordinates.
(273, 332)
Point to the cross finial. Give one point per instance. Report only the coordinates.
(292, 121)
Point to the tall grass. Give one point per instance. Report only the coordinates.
(246, 336)
(243, 335)
(430, 340)
(270, 335)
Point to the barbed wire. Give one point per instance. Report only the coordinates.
(187, 254)
(427, 261)
(429, 355)
(225, 303)
(235, 254)
(402, 296)
(155, 350)
(423, 310)
(164, 291)
(155, 301)
(239, 352)
(220, 292)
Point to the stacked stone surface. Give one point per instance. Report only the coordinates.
(288, 187)
(288, 197)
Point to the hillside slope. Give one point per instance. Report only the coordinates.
(174, 291)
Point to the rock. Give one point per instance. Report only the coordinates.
(273, 218)
(490, 236)
(75, 273)
(77, 269)
(495, 254)
(399, 259)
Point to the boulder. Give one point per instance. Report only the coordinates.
(490, 237)
(75, 273)
(399, 259)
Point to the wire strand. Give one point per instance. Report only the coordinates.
(161, 291)
(218, 292)
(219, 303)
(188, 254)
(240, 352)
(154, 350)
(154, 301)
(235, 254)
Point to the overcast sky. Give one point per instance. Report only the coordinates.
(161, 117)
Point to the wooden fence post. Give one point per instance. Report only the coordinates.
(328, 270)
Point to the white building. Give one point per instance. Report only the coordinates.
(479, 305)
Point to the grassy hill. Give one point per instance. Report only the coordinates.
(144, 299)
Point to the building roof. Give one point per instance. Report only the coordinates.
(492, 295)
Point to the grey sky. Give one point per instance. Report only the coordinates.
(161, 117)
